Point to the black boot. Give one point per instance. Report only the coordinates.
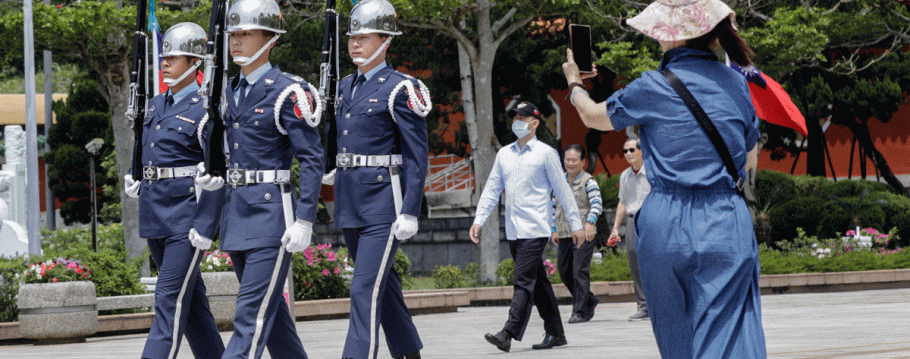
(551, 341)
(414, 355)
(501, 340)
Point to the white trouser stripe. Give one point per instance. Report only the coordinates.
(396, 194)
(179, 304)
(260, 317)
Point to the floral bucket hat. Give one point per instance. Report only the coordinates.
(677, 20)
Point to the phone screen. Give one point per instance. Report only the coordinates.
(581, 46)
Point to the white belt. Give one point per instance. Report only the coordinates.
(153, 173)
(241, 177)
(348, 160)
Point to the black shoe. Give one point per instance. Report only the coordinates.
(575, 318)
(414, 355)
(501, 340)
(550, 341)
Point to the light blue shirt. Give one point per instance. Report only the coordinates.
(369, 74)
(192, 88)
(529, 176)
(252, 78)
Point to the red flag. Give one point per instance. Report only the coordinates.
(771, 102)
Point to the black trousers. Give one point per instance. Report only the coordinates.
(531, 286)
(574, 266)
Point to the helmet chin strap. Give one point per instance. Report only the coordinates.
(192, 69)
(359, 61)
(244, 61)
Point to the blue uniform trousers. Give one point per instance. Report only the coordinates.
(531, 287)
(374, 259)
(173, 255)
(699, 269)
(254, 271)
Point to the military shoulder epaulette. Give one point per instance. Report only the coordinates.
(292, 77)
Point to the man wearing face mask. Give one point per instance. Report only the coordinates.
(529, 172)
(381, 164)
(172, 143)
(271, 118)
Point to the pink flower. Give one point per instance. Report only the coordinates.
(320, 247)
(309, 262)
(870, 230)
(325, 272)
(71, 265)
(330, 256)
(882, 236)
(850, 233)
(337, 270)
(54, 280)
(309, 254)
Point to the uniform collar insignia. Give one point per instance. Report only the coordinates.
(152, 109)
(185, 119)
(195, 99)
(269, 81)
(259, 110)
(381, 79)
(374, 100)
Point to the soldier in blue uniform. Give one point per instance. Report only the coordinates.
(381, 166)
(169, 206)
(271, 118)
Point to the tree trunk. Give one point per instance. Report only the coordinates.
(117, 89)
(861, 131)
(815, 153)
(482, 148)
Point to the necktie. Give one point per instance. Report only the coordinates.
(357, 82)
(241, 89)
(168, 102)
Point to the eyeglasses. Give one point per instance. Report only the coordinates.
(628, 150)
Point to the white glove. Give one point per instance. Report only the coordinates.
(297, 237)
(328, 179)
(207, 182)
(199, 241)
(405, 226)
(130, 186)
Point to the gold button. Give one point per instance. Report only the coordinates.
(379, 178)
(236, 125)
(236, 146)
(268, 196)
(344, 149)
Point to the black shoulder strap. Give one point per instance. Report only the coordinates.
(706, 124)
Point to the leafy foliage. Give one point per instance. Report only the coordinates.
(321, 273)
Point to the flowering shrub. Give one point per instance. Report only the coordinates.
(55, 270)
(549, 266)
(870, 237)
(216, 261)
(321, 273)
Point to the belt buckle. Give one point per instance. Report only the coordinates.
(344, 160)
(150, 173)
(236, 177)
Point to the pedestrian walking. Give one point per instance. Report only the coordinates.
(529, 172)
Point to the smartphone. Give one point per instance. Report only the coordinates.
(580, 36)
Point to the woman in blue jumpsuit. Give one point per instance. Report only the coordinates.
(696, 244)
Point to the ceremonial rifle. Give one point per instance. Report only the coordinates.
(328, 82)
(212, 89)
(139, 87)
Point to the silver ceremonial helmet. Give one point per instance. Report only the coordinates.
(185, 38)
(255, 15)
(373, 16)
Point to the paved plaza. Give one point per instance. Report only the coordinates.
(861, 324)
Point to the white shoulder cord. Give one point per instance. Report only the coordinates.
(303, 103)
(201, 129)
(421, 105)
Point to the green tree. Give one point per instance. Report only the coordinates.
(98, 35)
(81, 118)
(479, 27)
